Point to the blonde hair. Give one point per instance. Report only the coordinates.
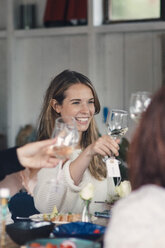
(48, 115)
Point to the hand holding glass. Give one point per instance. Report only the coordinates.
(117, 123)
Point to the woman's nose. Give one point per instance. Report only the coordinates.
(85, 108)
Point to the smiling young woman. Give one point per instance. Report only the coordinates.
(72, 94)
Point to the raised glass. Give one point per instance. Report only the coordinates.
(139, 102)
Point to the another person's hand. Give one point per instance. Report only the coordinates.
(37, 154)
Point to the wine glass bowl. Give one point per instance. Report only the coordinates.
(66, 134)
(139, 102)
(117, 123)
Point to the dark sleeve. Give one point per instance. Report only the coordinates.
(9, 162)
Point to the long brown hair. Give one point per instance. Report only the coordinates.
(146, 156)
(56, 90)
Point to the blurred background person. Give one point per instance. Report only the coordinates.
(139, 219)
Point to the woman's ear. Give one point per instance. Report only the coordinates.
(55, 105)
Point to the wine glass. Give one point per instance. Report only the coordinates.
(139, 102)
(117, 123)
(66, 134)
(117, 126)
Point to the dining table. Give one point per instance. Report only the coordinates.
(11, 244)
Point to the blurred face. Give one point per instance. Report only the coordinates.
(78, 103)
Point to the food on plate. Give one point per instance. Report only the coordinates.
(62, 217)
(54, 212)
(48, 245)
(64, 244)
(35, 245)
(55, 216)
(67, 244)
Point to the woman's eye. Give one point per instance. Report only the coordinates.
(75, 102)
(91, 102)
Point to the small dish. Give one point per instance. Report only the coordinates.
(24, 231)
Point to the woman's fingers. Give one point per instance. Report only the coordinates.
(105, 145)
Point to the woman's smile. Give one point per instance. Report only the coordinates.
(78, 103)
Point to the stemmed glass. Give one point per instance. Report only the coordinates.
(66, 134)
(117, 126)
(117, 123)
(139, 102)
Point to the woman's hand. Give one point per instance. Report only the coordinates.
(104, 146)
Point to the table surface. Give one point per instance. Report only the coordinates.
(11, 244)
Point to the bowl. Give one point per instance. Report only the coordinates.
(83, 230)
(24, 231)
(64, 242)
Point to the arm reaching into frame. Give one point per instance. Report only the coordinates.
(37, 155)
(34, 155)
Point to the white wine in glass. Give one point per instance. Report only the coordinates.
(116, 125)
(139, 102)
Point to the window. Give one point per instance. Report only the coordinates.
(133, 10)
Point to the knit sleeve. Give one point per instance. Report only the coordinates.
(69, 181)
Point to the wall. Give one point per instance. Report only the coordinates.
(119, 59)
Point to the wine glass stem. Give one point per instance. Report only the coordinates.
(59, 171)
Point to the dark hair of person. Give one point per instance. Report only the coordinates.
(146, 156)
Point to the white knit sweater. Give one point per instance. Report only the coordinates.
(138, 221)
(67, 199)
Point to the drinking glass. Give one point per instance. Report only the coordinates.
(66, 134)
(139, 102)
(117, 126)
(117, 123)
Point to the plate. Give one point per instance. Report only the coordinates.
(83, 230)
(39, 217)
(36, 217)
(80, 243)
(57, 219)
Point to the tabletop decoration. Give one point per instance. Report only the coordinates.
(86, 195)
(123, 189)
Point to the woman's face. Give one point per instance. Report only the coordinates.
(78, 103)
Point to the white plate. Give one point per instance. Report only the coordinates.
(39, 217)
